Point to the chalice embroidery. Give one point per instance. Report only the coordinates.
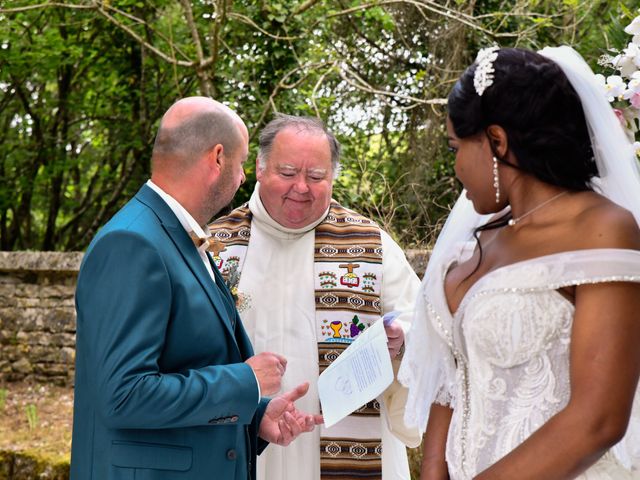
(355, 328)
(336, 325)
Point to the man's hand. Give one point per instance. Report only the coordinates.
(395, 337)
(283, 422)
(269, 369)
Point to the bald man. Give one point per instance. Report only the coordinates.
(167, 385)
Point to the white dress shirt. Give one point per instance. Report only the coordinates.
(187, 222)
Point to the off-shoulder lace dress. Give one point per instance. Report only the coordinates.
(510, 338)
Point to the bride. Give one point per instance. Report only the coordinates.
(524, 357)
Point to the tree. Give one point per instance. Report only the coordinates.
(83, 84)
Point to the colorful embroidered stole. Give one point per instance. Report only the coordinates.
(347, 278)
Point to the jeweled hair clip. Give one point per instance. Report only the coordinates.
(483, 75)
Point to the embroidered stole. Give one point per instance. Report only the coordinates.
(347, 278)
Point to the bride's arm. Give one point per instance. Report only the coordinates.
(434, 466)
(604, 369)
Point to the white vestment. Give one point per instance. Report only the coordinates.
(279, 316)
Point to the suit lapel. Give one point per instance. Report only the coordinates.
(242, 340)
(188, 251)
(229, 302)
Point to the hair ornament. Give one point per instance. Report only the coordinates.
(483, 75)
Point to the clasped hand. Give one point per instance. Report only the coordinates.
(269, 368)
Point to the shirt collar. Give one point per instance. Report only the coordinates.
(184, 217)
(260, 213)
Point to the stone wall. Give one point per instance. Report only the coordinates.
(37, 315)
(23, 466)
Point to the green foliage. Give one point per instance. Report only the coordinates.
(82, 91)
(615, 36)
(3, 397)
(32, 416)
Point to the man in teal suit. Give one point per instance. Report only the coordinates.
(167, 385)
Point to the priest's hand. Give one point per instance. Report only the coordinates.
(395, 338)
(283, 422)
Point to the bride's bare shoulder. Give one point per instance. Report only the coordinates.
(601, 223)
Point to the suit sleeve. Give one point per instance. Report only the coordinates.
(261, 443)
(124, 305)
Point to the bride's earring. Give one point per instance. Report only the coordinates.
(496, 179)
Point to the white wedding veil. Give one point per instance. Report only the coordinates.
(618, 179)
(428, 366)
(617, 163)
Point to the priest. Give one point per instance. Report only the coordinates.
(309, 276)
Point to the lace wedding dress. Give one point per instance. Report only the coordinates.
(510, 339)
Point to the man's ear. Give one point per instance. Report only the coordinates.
(215, 157)
(499, 140)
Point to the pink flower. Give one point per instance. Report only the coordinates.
(620, 114)
(635, 100)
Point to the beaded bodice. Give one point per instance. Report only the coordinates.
(510, 338)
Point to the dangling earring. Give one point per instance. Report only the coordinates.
(496, 179)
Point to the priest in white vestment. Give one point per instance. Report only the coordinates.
(278, 285)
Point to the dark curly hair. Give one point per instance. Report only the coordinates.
(533, 101)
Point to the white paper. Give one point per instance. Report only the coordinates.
(361, 373)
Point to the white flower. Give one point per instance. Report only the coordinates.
(625, 96)
(614, 87)
(634, 82)
(628, 61)
(633, 51)
(632, 93)
(634, 27)
(624, 63)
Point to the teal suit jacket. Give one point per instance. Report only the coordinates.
(161, 390)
